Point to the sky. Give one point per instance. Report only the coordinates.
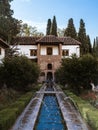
(37, 12)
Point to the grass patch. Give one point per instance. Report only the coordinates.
(10, 111)
(88, 112)
(9, 114)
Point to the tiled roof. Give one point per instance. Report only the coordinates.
(49, 39)
(69, 41)
(3, 44)
(46, 40)
(24, 40)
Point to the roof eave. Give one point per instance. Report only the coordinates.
(4, 44)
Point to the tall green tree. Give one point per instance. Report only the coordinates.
(95, 47)
(27, 30)
(9, 26)
(82, 37)
(54, 27)
(48, 27)
(70, 30)
(89, 46)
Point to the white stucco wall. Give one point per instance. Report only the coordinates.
(55, 50)
(2, 55)
(25, 50)
(73, 49)
(43, 50)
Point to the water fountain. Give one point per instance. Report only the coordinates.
(50, 109)
(51, 120)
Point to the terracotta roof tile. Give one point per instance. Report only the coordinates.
(24, 40)
(69, 41)
(49, 39)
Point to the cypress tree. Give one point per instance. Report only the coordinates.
(54, 27)
(88, 43)
(94, 46)
(48, 27)
(82, 37)
(70, 30)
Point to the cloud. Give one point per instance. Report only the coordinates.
(41, 26)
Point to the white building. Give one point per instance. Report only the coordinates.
(3, 46)
(47, 51)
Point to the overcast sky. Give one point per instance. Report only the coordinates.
(37, 12)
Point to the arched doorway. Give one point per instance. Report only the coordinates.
(49, 76)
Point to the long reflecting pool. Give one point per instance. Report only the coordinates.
(50, 117)
(43, 112)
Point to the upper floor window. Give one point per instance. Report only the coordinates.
(49, 50)
(0, 51)
(65, 52)
(33, 52)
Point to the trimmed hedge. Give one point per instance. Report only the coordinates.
(9, 115)
(88, 112)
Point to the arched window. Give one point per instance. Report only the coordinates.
(49, 66)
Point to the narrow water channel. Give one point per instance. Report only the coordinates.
(50, 117)
(45, 114)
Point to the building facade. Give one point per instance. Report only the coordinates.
(3, 46)
(47, 51)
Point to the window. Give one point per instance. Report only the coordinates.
(0, 51)
(49, 66)
(33, 52)
(65, 52)
(49, 51)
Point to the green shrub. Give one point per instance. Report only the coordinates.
(19, 73)
(7, 118)
(78, 72)
(9, 115)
